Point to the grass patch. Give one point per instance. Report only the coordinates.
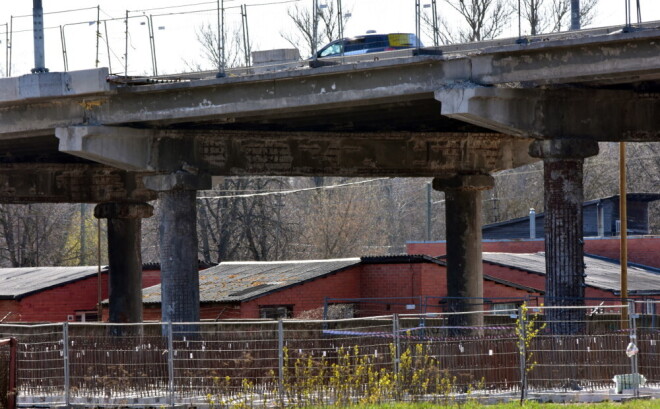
(636, 404)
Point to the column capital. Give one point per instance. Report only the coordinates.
(118, 210)
(464, 182)
(178, 181)
(563, 148)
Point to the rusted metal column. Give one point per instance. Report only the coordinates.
(563, 161)
(464, 263)
(124, 254)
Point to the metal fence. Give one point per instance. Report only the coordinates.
(293, 362)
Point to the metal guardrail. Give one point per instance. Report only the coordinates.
(445, 51)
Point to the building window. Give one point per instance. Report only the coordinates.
(87, 316)
(275, 312)
(501, 308)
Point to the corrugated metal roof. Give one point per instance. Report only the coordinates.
(402, 258)
(600, 273)
(240, 281)
(19, 282)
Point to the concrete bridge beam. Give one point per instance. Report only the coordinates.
(570, 113)
(124, 253)
(464, 262)
(178, 244)
(564, 247)
(22, 183)
(356, 154)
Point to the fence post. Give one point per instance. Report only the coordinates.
(65, 357)
(280, 360)
(632, 318)
(170, 364)
(11, 391)
(397, 351)
(397, 342)
(522, 347)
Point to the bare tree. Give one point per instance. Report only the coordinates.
(302, 37)
(35, 234)
(560, 14)
(485, 19)
(248, 227)
(445, 35)
(533, 13)
(207, 37)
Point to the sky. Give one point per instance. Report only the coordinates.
(176, 22)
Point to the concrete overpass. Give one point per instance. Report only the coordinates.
(89, 137)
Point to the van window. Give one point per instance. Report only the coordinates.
(332, 49)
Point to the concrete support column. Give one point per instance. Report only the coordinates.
(178, 244)
(178, 260)
(563, 161)
(124, 253)
(464, 263)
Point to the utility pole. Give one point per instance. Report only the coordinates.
(418, 22)
(623, 217)
(428, 211)
(107, 45)
(221, 38)
(575, 14)
(38, 27)
(98, 34)
(436, 29)
(9, 44)
(64, 52)
(246, 35)
(340, 20)
(83, 236)
(126, 46)
(315, 27)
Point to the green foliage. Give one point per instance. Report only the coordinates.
(528, 328)
(351, 377)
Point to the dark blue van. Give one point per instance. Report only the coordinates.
(369, 43)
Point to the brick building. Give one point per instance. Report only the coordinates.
(602, 277)
(600, 218)
(354, 287)
(642, 250)
(56, 294)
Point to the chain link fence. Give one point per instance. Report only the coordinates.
(407, 357)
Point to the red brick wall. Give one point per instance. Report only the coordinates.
(536, 281)
(308, 296)
(150, 278)
(57, 303)
(402, 285)
(641, 249)
(517, 276)
(151, 312)
(434, 280)
(9, 311)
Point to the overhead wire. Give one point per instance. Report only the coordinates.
(291, 191)
(59, 11)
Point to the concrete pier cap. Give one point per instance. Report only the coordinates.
(464, 182)
(563, 148)
(178, 181)
(123, 210)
